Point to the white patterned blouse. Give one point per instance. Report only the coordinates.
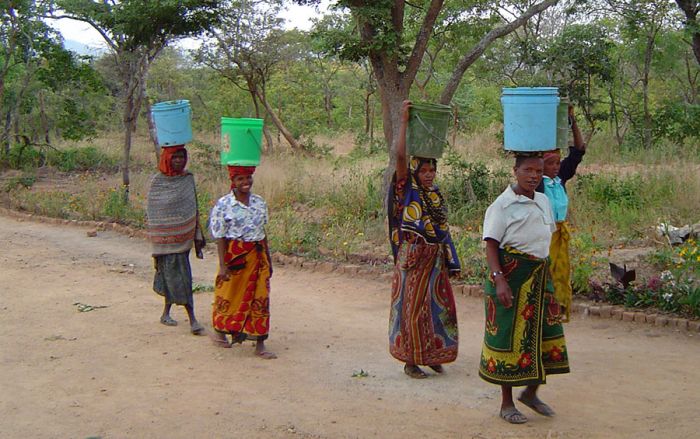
(232, 219)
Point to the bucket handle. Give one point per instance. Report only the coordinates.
(250, 132)
(439, 139)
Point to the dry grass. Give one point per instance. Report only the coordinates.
(321, 201)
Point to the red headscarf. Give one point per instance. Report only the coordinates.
(166, 160)
(551, 154)
(239, 170)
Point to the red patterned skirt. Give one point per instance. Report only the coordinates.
(242, 304)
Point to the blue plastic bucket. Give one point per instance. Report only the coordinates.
(530, 118)
(563, 123)
(173, 121)
(241, 141)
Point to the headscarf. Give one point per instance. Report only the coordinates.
(239, 170)
(551, 154)
(416, 162)
(166, 160)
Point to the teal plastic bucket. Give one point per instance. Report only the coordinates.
(530, 118)
(173, 121)
(241, 141)
(428, 124)
(563, 123)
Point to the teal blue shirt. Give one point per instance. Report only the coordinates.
(556, 193)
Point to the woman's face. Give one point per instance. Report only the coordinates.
(551, 166)
(242, 183)
(178, 161)
(426, 175)
(529, 174)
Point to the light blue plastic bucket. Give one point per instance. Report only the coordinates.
(530, 118)
(173, 121)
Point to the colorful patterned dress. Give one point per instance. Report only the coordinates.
(242, 304)
(524, 343)
(423, 317)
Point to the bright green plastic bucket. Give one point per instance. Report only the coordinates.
(241, 141)
(563, 123)
(428, 124)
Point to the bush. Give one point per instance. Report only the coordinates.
(21, 181)
(80, 159)
(24, 156)
(469, 188)
(115, 209)
(610, 191)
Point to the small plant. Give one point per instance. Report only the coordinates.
(584, 260)
(116, 209)
(21, 181)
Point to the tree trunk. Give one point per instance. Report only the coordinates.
(294, 143)
(152, 133)
(43, 118)
(691, 8)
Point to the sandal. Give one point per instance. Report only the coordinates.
(196, 328)
(438, 368)
(537, 405)
(220, 342)
(266, 355)
(414, 372)
(513, 415)
(168, 321)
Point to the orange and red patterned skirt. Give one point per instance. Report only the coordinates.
(242, 304)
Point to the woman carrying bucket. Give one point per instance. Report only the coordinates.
(556, 173)
(523, 338)
(423, 318)
(173, 227)
(242, 289)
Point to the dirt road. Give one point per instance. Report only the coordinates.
(115, 372)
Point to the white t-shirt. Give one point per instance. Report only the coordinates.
(519, 222)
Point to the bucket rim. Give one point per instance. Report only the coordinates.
(430, 106)
(241, 120)
(530, 91)
(171, 104)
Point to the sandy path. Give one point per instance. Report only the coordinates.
(116, 372)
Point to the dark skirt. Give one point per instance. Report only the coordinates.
(173, 279)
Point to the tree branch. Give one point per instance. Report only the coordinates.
(474, 54)
(426, 29)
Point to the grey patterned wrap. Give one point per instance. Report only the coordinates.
(171, 214)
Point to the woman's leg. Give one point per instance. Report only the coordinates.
(530, 399)
(414, 371)
(165, 318)
(508, 410)
(195, 327)
(261, 352)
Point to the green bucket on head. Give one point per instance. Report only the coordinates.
(563, 123)
(426, 135)
(241, 141)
